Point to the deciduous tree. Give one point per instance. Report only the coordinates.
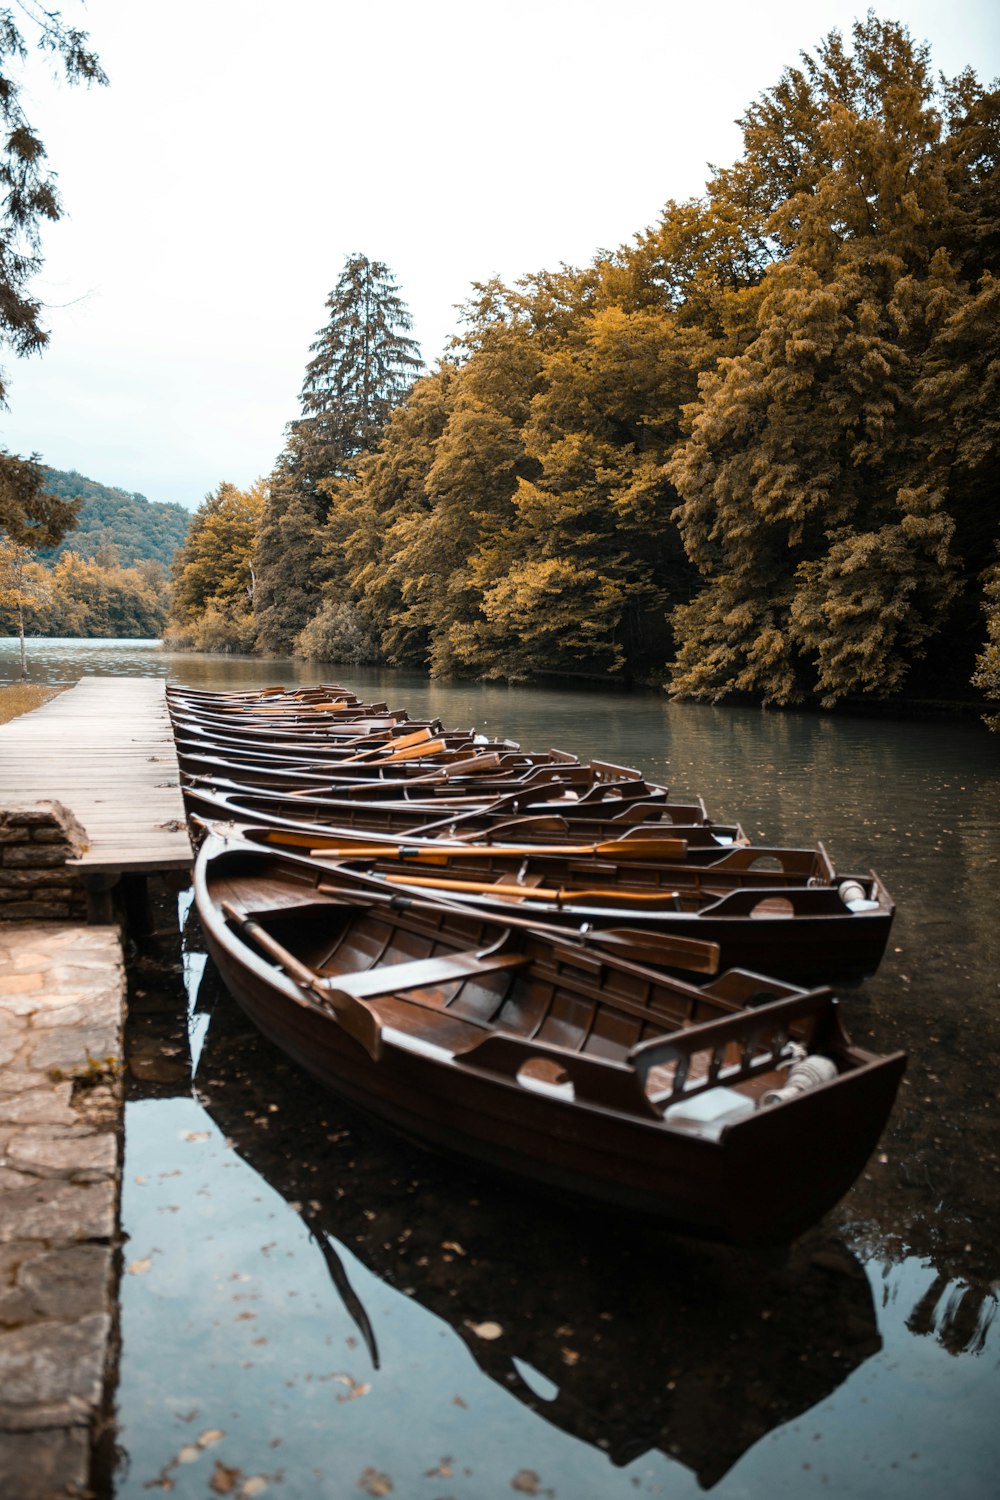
(22, 589)
(28, 198)
(821, 500)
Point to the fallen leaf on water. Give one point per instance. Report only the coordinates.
(355, 1388)
(256, 1485)
(189, 1454)
(210, 1437)
(486, 1330)
(375, 1484)
(526, 1482)
(194, 1135)
(453, 1245)
(139, 1267)
(224, 1479)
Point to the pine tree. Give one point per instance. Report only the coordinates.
(289, 563)
(363, 363)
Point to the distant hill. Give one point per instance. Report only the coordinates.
(141, 529)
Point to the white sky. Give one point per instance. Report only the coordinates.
(245, 147)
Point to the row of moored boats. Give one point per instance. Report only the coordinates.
(542, 964)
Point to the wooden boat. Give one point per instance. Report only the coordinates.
(320, 697)
(372, 742)
(307, 821)
(305, 771)
(668, 1331)
(549, 1056)
(786, 912)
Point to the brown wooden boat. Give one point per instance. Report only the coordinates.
(786, 912)
(635, 1345)
(550, 1056)
(307, 821)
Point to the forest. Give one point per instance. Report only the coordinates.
(107, 576)
(750, 454)
(142, 530)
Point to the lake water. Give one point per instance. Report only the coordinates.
(312, 1308)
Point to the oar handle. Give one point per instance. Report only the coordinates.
(356, 1019)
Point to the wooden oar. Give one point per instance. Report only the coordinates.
(356, 1019)
(628, 849)
(561, 895)
(634, 945)
(398, 743)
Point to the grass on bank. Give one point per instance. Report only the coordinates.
(21, 697)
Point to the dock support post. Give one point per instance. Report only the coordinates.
(100, 901)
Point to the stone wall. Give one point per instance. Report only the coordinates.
(62, 1002)
(36, 839)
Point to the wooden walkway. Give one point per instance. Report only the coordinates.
(105, 750)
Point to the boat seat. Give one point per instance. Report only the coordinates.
(432, 1031)
(422, 973)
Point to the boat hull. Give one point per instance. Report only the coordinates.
(766, 1179)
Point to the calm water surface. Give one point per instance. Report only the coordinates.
(313, 1308)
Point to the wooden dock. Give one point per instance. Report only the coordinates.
(105, 750)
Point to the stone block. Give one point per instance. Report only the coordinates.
(48, 1363)
(34, 815)
(40, 911)
(89, 1159)
(60, 1211)
(32, 857)
(31, 1469)
(73, 1048)
(41, 1106)
(69, 1283)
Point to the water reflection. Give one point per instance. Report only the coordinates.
(630, 1344)
(918, 801)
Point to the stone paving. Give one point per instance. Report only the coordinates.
(62, 1002)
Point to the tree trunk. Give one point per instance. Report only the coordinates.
(24, 652)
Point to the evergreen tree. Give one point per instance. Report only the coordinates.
(28, 198)
(289, 563)
(28, 513)
(363, 363)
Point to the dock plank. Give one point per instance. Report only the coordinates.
(105, 750)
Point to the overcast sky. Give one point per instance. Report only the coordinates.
(245, 148)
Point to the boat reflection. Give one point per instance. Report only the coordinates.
(628, 1343)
